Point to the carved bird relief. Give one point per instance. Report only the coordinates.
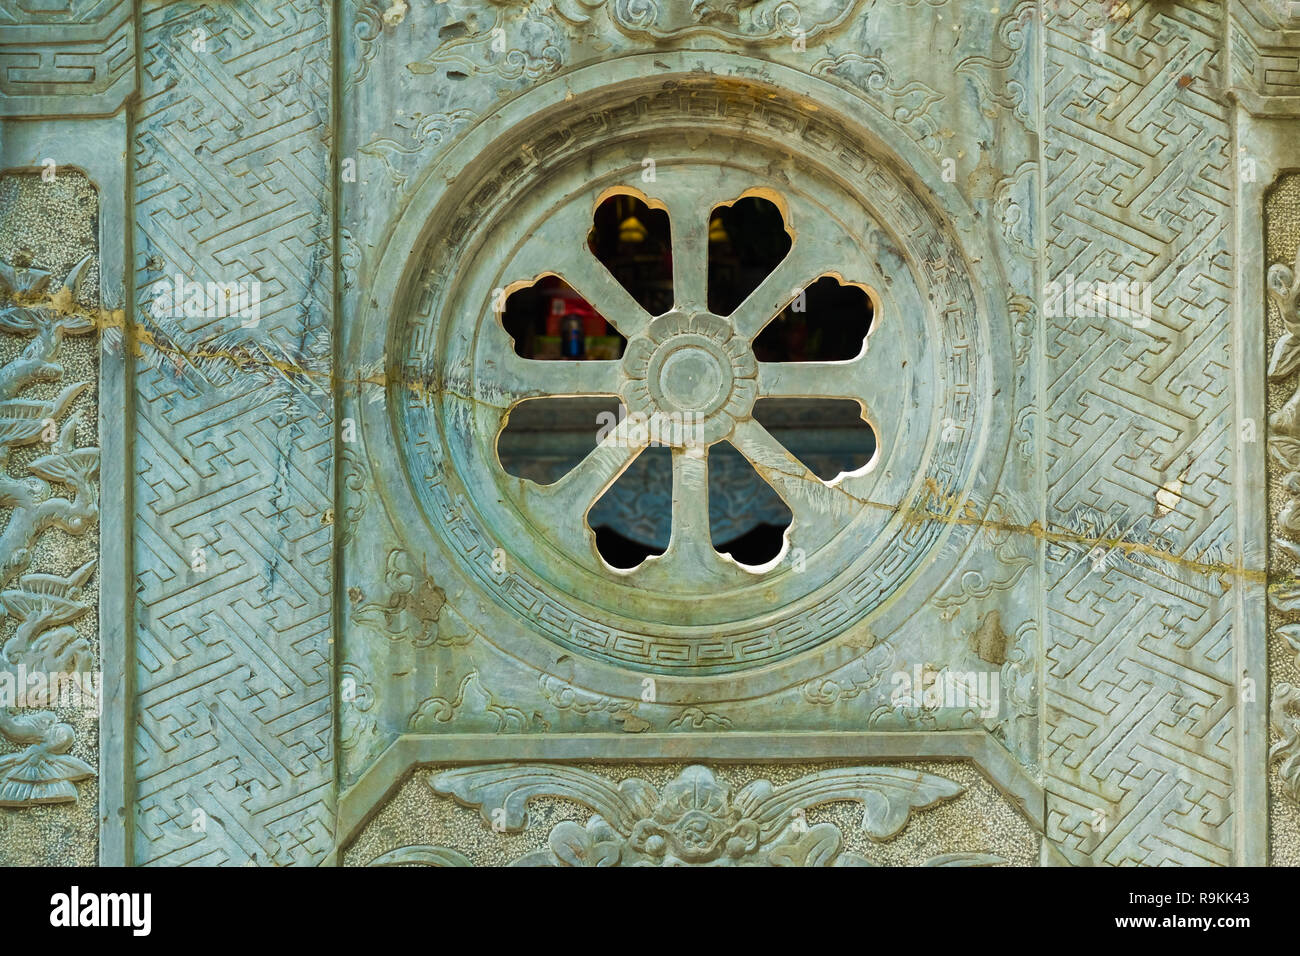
(44, 772)
(45, 606)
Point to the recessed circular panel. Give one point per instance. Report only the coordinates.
(854, 543)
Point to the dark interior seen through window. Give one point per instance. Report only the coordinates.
(549, 320)
(827, 435)
(545, 438)
(633, 519)
(828, 325)
(746, 241)
(634, 242)
(747, 519)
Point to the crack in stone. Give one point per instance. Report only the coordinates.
(946, 513)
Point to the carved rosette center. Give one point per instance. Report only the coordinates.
(692, 376)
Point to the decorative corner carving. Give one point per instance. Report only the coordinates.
(1014, 208)
(412, 608)
(750, 21)
(74, 58)
(441, 709)
(907, 104)
(426, 130)
(1008, 82)
(487, 51)
(1264, 37)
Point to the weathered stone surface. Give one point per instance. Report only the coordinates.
(967, 812)
(319, 579)
(49, 546)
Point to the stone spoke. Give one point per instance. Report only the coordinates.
(820, 510)
(690, 561)
(690, 531)
(814, 379)
(806, 262)
(567, 501)
(509, 379)
(688, 214)
(590, 279)
(830, 380)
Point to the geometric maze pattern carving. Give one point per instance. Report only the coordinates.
(234, 440)
(1139, 667)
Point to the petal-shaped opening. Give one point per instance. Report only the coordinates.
(632, 520)
(828, 322)
(747, 519)
(548, 320)
(633, 240)
(544, 438)
(828, 435)
(747, 238)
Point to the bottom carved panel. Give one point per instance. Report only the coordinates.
(925, 813)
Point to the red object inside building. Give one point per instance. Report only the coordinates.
(564, 301)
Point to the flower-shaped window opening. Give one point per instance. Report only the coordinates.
(716, 338)
(828, 323)
(548, 320)
(633, 240)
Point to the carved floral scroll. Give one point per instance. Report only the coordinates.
(694, 820)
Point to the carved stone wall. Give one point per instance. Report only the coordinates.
(334, 630)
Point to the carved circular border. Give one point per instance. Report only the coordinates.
(684, 620)
(778, 652)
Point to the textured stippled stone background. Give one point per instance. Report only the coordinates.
(979, 820)
(1282, 239)
(51, 226)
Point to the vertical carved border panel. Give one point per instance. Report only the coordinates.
(69, 71)
(1282, 254)
(49, 541)
(1141, 736)
(234, 438)
(1264, 50)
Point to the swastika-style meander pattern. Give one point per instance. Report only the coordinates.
(1139, 665)
(232, 183)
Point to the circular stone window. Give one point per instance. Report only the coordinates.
(518, 210)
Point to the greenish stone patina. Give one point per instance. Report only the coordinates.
(333, 627)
